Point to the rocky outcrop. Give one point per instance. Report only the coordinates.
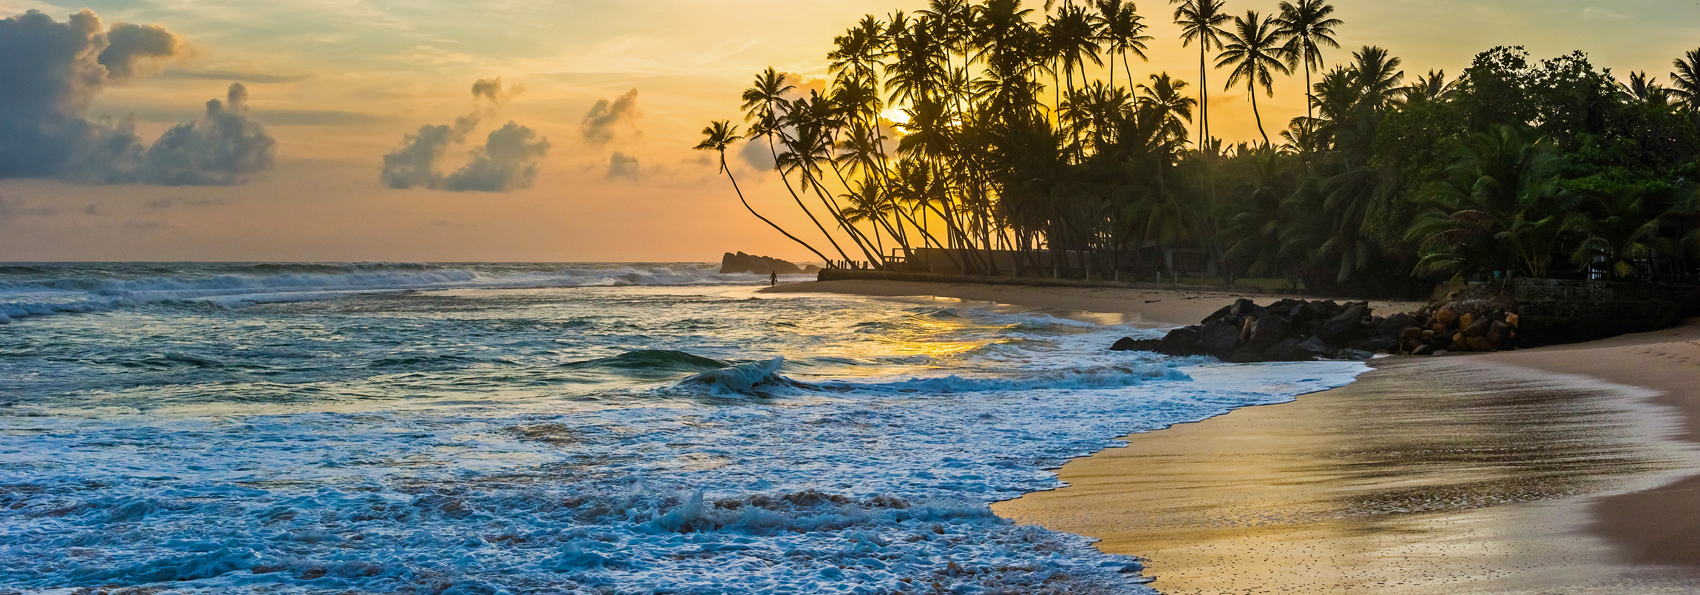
(1297, 330)
(761, 265)
(1287, 330)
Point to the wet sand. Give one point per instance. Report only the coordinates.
(1569, 469)
(1450, 475)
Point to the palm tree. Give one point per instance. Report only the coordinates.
(1073, 37)
(1428, 87)
(1252, 48)
(1499, 207)
(719, 135)
(764, 104)
(1623, 230)
(1123, 30)
(1163, 99)
(1686, 80)
(1645, 89)
(1307, 26)
(1201, 22)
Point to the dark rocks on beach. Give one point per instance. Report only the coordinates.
(1287, 330)
(760, 265)
(1297, 330)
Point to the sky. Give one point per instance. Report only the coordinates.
(522, 130)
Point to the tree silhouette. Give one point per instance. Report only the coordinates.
(1252, 47)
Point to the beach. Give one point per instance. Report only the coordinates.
(1565, 469)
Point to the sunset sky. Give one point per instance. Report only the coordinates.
(338, 83)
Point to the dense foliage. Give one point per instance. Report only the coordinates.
(1024, 130)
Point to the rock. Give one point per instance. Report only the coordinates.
(1511, 319)
(1317, 347)
(1466, 321)
(1478, 328)
(1131, 344)
(1423, 350)
(1268, 331)
(1343, 325)
(1245, 329)
(1181, 341)
(1219, 339)
(1478, 344)
(1358, 355)
(1290, 349)
(761, 265)
(1445, 317)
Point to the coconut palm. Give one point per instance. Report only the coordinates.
(1307, 27)
(1122, 29)
(1252, 47)
(764, 107)
(1645, 89)
(1499, 207)
(1163, 98)
(1201, 22)
(1622, 231)
(1428, 87)
(1685, 81)
(719, 135)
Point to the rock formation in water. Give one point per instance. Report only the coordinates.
(760, 265)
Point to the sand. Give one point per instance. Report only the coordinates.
(1568, 469)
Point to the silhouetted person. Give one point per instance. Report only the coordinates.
(773, 279)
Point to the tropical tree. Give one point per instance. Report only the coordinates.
(1498, 208)
(1201, 22)
(1686, 80)
(1122, 30)
(719, 135)
(1252, 47)
(1307, 26)
(1621, 229)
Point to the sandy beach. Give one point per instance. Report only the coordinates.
(1568, 469)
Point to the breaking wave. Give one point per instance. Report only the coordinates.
(42, 290)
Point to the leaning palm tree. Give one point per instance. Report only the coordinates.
(1252, 47)
(1686, 80)
(719, 135)
(1201, 21)
(1308, 27)
(764, 107)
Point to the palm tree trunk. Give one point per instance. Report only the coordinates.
(1258, 116)
(758, 215)
(775, 151)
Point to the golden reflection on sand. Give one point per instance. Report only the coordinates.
(1446, 475)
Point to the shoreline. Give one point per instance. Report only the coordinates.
(1272, 498)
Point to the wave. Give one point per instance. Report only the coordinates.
(73, 291)
(654, 360)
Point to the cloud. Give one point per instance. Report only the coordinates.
(241, 77)
(224, 148)
(167, 202)
(507, 160)
(148, 225)
(133, 47)
(49, 73)
(12, 209)
(758, 154)
(599, 124)
(623, 166)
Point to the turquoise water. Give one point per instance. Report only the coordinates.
(421, 428)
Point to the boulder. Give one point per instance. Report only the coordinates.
(1131, 344)
(740, 262)
(1343, 325)
(1219, 339)
(1268, 331)
(1181, 341)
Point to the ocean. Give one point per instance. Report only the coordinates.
(556, 428)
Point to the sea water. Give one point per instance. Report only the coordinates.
(419, 428)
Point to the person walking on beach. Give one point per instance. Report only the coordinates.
(773, 279)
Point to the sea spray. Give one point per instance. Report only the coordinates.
(592, 439)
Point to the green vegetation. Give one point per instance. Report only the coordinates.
(1008, 144)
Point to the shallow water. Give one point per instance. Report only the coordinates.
(554, 428)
